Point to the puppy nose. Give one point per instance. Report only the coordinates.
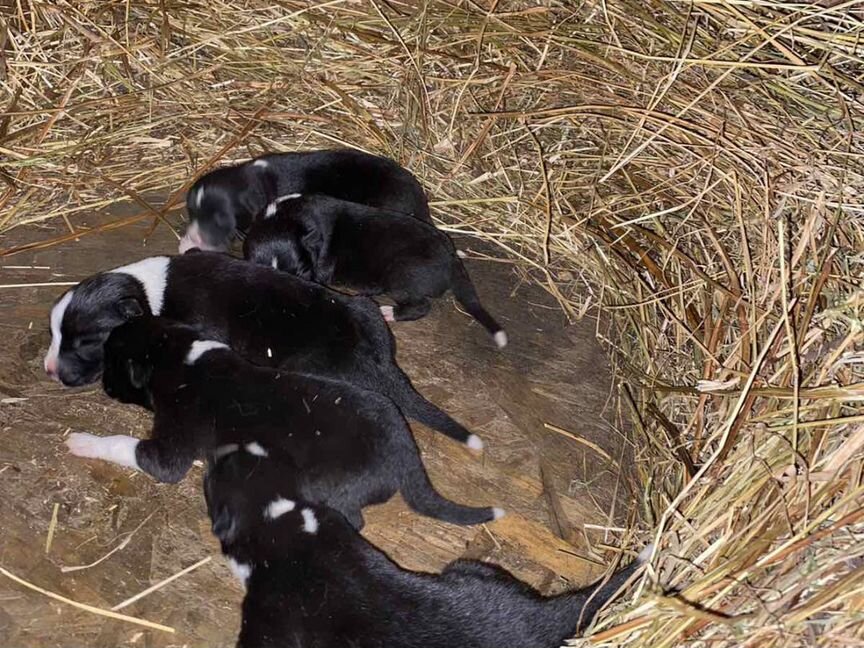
(51, 368)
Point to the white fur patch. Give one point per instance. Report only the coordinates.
(645, 555)
(474, 442)
(256, 449)
(153, 275)
(310, 522)
(274, 262)
(279, 507)
(387, 313)
(261, 163)
(273, 206)
(52, 358)
(200, 347)
(500, 339)
(224, 450)
(241, 571)
(191, 239)
(461, 254)
(498, 513)
(199, 195)
(118, 449)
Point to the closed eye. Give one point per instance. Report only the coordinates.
(87, 341)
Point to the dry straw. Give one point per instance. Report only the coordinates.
(691, 168)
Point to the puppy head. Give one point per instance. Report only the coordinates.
(278, 243)
(134, 349)
(248, 488)
(81, 320)
(225, 201)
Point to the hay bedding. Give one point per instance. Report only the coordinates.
(690, 169)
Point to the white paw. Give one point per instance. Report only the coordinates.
(82, 444)
(119, 449)
(474, 442)
(387, 312)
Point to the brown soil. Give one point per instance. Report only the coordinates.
(550, 485)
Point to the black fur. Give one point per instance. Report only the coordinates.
(342, 243)
(235, 196)
(350, 447)
(333, 588)
(268, 317)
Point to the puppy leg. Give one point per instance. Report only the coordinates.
(119, 448)
(167, 459)
(411, 310)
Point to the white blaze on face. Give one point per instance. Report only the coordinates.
(52, 358)
(153, 275)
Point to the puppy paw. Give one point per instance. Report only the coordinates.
(118, 449)
(387, 312)
(475, 443)
(86, 445)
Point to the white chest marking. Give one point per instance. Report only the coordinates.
(56, 323)
(153, 275)
(279, 507)
(200, 347)
(241, 571)
(310, 522)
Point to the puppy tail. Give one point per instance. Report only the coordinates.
(466, 295)
(396, 386)
(422, 497)
(579, 608)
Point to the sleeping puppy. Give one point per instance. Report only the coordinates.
(335, 242)
(349, 447)
(230, 199)
(268, 317)
(312, 581)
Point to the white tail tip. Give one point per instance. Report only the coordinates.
(500, 339)
(498, 513)
(461, 254)
(474, 442)
(645, 554)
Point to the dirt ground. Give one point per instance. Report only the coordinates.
(559, 493)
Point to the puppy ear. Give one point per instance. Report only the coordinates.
(129, 308)
(224, 526)
(139, 373)
(313, 242)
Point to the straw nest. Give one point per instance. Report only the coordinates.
(690, 169)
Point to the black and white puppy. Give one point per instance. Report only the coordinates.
(312, 581)
(230, 199)
(350, 447)
(335, 242)
(268, 317)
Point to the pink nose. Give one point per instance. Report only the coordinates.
(51, 368)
